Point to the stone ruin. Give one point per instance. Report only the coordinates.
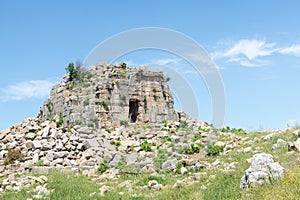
(107, 95)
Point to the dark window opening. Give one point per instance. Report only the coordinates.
(133, 110)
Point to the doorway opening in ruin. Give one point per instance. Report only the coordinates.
(133, 110)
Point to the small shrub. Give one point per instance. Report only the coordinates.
(12, 156)
(50, 119)
(137, 132)
(225, 129)
(50, 107)
(166, 139)
(107, 130)
(86, 84)
(34, 131)
(122, 73)
(193, 149)
(183, 124)
(40, 163)
(164, 128)
(124, 123)
(146, 146)
(197, 137)
(72, 71)
(91, 124)
(60, 121)
(103, 166)
(86, 102)
(122, 163)
(168, 79)
(178, 167)
(164, 122)
(104, 104)
(117, 144)
(132, 148)
(238, 131)
(203, 129)
(78, 122)
(214, 150)
(70, 86)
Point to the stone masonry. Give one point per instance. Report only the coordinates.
(106, 94)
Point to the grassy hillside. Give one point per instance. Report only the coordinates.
(219, 181)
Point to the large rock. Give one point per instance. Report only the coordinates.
(30, 136)
(161, 134)
(297, 144)
(280, 144)
(36, 144)
(4, 133)
(169, 164)
(60, 154)
(91, 143)
(88, 153)
(46, 132)
(85, 130)
(262, 170)
(131, 158)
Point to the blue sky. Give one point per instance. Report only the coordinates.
(255, 44)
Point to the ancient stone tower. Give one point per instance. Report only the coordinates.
(107, 95)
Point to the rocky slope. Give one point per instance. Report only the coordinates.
(159, 141)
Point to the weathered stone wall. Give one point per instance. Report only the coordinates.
(107, 94)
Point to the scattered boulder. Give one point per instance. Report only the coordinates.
(220, 144)
(104, 189)
(4, 133)
(41, 191)
(36, 144)
(183, 170)
(268, 137)
(154, 185)
(280, 143)
(262, 170)
(162, 134)
(247, 149)
(169, 164)
(297, 144)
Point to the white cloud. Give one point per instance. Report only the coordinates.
(26, 90)
(247, 52)
(252, 53)
(292, 50)
(251, 49)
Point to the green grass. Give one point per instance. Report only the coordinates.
(66, 186)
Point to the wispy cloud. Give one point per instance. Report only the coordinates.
(26, 90)
(292, 50)
(252, 53)
(247, 52)
(251, 49)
